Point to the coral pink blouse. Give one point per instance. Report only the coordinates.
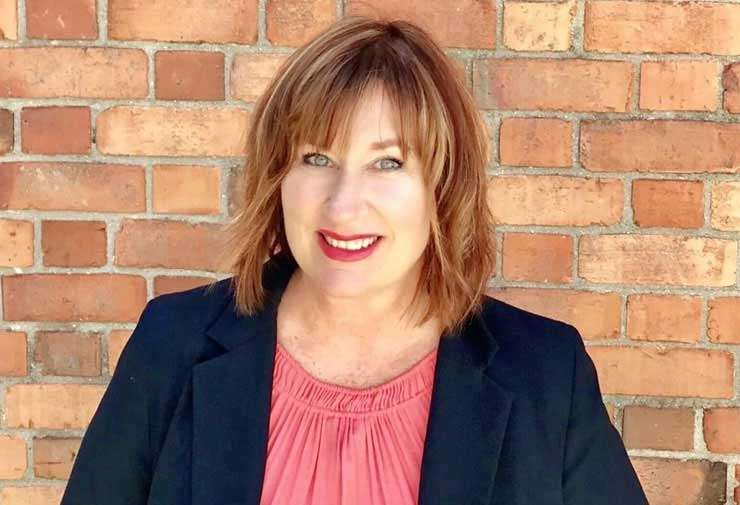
(334, 445)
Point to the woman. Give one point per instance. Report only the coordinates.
(363, 362)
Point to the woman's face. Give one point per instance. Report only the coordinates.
(365, 192)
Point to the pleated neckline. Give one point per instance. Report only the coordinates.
(291, 378)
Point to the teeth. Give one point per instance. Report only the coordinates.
(352, 245)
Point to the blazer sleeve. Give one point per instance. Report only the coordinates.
(596, 468)
(114, 463)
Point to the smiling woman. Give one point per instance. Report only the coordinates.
(303, 379)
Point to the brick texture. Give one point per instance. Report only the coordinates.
(61, 19)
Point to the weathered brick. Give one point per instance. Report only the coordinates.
(73, 297)
(678, 482)
(61, 19)
(54, 457)
(8, 20)
(193, 21)
(252, 72)
(167, 131)
(108, 72)
(726, 205)
(679, 85)
(539, 142)
(565, 84)
(596, 315)
(55, 130)
(52, 406)
(6, 131)
(671, 204)
(723, 324)
(68, 353)
(116, 341)
(31, 495)
(184, 189)
(731, 87)
(538, 257)
(72, 186)
(169, 244)
(73, 243)
(652, 371)
(661, 27)
(295, 22)
(660, 145)
(663, 317)
(538, 26)
(474, 23)
(189, 75)
(657, 259)
(538, 200)
(16, 243)
(721, 431)
(13, 350)
(670, 429)
(13, 461)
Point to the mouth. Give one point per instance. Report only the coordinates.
(353, 250)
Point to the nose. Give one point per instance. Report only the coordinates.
(346, 200)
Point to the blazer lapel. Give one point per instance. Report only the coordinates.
(232, 397)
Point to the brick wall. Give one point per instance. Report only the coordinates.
(616, 132)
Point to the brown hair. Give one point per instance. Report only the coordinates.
(310, 100)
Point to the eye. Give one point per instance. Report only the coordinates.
(395, 163)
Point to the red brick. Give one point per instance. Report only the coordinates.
(68, 353)
(658, 145)
(663, 317)
(731, 88)
(679, 85)
(670, 429)
(564, 84)
(596, 315)
(16, 243)
(184, 189)
(252, 72)
(108, 72)
(12, 457)
(680, 482)
(31, 495)
(61, 19)
(723, 324)
(174, 283)
(116, 341)
(167, 131)
(656, 371)
(721, 431)
(726, 205)
(169, 244)
(219, 21)
(8, 20)
(55, 130)
(295, 22)
(474, 23)
(90, 187)
(6, 131)
(73, 243)
(73, 297)
(538, 142)
(661, 27)
(538, 257)
(54, 457)
(189, 75)
(538, 26)
(671, 204)
(657, 259)
(538, 200)
(13, 351)
(52, 406)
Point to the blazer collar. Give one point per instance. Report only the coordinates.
(232, 394)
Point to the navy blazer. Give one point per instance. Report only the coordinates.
(516, 415)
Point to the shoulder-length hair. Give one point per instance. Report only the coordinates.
(310, 99)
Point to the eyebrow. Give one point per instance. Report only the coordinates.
(385, 143)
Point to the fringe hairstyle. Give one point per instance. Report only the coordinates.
(310, 100)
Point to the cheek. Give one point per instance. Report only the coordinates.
(404, 202)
